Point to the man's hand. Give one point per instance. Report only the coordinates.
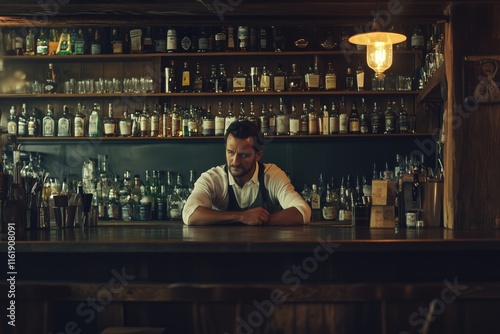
(254, 216)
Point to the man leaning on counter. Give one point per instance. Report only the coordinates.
(245, 190)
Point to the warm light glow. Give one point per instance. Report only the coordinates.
(378, 49)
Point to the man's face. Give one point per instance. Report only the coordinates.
(241, 157)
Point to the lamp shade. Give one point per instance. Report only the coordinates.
(378, 49)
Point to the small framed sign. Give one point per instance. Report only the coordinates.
(481, 78)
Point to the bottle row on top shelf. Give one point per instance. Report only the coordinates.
(192, 121)
(243, 38)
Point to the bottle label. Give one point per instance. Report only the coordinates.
(93, 126)
(208, 127)
(417, 41)
(265, 83)
(175, 213)
(330, 82)
(239, 84)
(79, 48)
(313, 124)
(186, 80)
(354, 125)
(79, 127)
(48, 127)
(294, 126)
(343, 123)
(186, 43)
(95, 49)
(171, 41)
(329, 213)
(312, 81)
(220, 126)
(42, 49)
(203, 44)
(334, 124)
(63, 127)
(125, 128)
(22, 127)
(117, 47)
(279, 83)
(31, 128)
(282, 124)
(12, 128)
(109, 128)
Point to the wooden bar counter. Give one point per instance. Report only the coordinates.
(318, 278)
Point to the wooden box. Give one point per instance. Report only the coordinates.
(383, 192)
(382, 216)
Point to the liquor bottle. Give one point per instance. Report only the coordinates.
(329, 209)
(125, 125)
(64, 123)
(221, 40)
(42, 44)
(193, 121)
(222, 80)
(251, 116)
(360, 77)
(376, 125)
(280, 79)
(354, 126)
(80, 43)
(311, 79)
(315, 204)
(389, 119)
(53, 41)
(135, 41)
(364, 118)
(171, 80)
(51, 81)
(295, 80)
(333, 120)
(239, 81)
(171, 40)
(95, 122)
(212, 80)
(176, 122)
(313, 125)
(304, 120)
(109, 123)
(343, 118)
(14, 211)
(220, 121)
(12, 122)
(263, 39)
(330, 78)
(144, 122)
(64, 44)
(242, 115)
(147, 41)
(403, 118)
(231, 44)
(22, 122)
(417, 39)
(199, 80)
(243, 38)
(202, 40)
(116, 42)
(264, 121)
(155, 122)
(185, 42)
(161, 203)
(325, 114)
(79, 122)
(186, 79)
(265, 81)
(166, 124)
(160, 40)
(254, 79)
(282, 120)
(230, 117)
(349, 80)
(29, 49)
(95, 44)
(294, 122)
(48, 123)
(34, 124)
(272, 120)
(208, 123)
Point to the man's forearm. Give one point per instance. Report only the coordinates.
(290, 216)
(207, 216)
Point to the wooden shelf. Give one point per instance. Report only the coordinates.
(432, 89)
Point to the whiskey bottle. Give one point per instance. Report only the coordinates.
(265, 82)
(280, 79)
(311, 78)
(147, 41)
(343, 118)
(64, 123)
(243, 38)
(263, 39)
(295, 80)
(230, 117)
(315, 204)
(252, 117)
(185, 42)
(282, 121)
(202, 41)
(34, 124)
(354, 126)
(417, 39)
(51, 80)
(95, 44)
(79, 43)
(22, 122)
(220, 121)
(376, 125)
(125, 125)
(254, 79)
(222, 80)
(155, 120)
(360, 77)
(64, 45)
(116, 42)
(304, 120)
(389, 119)
(364, 118)
(160, 40)
(349, 80)
(171, 81)
(333, 120)
(186, 79)
(166, 124)
(29, 49)
(212, 80)
(199, 80)
(144, 122)
(325, 114)
(42, 44)
(48, 123)
(239, 81)
(193, 122)
(12, 122)
(171, 40)
(221, 40)
(264, 121)
(208, 123)
(95, 122)
(330, 78)
(272, 120)
(294, 122)
(109, 123)
(79, 122)
(403, 118)
(176, 122)
(312, 116)
(53, 41)
(231, 44)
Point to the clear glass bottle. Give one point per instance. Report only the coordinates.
(343, 117)
(360, 77)
(265, 82)
(22, 122)
(125, 125)
(230, 117)
(145, 122)
(315, 203)
(294, 122)
(239, 81)
(64, 123)
(29, 49)
(208, 123)
(282, 120)
(155, 121)
(312, 77)
(333, 119)
(109, 123)
(254, 79)
(220, 121)
(79, 125)
(330, 78)
(264, 121)
(176, 122)
(12, 122)
(313, 124)
(49, 123)
(95, 122)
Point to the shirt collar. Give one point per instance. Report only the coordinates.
(254, 179)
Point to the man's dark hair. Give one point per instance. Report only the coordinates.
(245, 129)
